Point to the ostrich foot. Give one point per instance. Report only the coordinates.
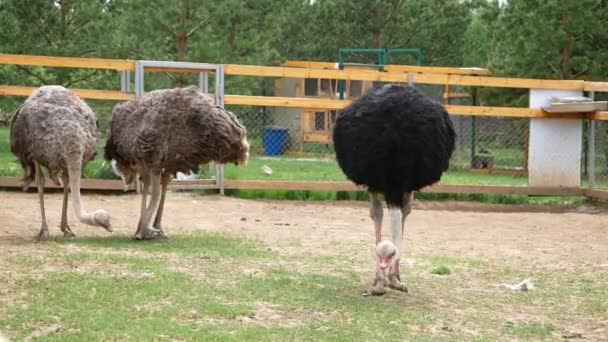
(43, 235)
(67, 232)
(161, 232)
(378, 288)
(149, 234)
(395, 283)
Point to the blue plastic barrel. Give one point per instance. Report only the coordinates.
(275, 140)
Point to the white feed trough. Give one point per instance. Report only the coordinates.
(574, 104)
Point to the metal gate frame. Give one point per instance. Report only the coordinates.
(204, 69)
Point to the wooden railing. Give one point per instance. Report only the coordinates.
(303, 69)
(315, 70)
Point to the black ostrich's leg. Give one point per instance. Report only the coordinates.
(398, 217)
(375, 212)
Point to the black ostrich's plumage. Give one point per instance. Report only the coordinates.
(394, 139)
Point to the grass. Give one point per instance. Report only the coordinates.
(531, 330)
(441, 270)
(198, 287)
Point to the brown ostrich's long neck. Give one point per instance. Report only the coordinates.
(83, 216)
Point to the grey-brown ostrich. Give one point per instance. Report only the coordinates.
(394, 140)
(57, 130)
(168, 131)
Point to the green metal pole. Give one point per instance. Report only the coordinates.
(341, 67)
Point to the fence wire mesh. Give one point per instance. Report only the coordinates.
(599, 166)
(296, 144)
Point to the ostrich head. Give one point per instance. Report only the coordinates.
(102, 218)
(237, 148)
(243, 152)
(125, 172)
(385, 252)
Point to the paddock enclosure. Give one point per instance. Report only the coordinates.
(241, 269)
(500, 150)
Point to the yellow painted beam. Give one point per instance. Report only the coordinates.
(424, 75)
(602, 116)
(318, 103)
(462, 80)
(69, 62)
(277, 101)
(596, 86)
(394, 68)
(436, 188)
(91, 94)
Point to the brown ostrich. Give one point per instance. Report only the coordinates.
(57, 130)
(168, 131)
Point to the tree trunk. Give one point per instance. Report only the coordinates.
(376, 31)
(567, 48)
(182, 49)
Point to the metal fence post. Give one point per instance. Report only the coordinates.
(591, 149)
(203, 82)
(219, 95)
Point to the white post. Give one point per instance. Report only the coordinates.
(555, 151)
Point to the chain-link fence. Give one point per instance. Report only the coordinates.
(597, 160)
(296, 144)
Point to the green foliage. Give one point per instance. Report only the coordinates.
(551, 39)
(441, 270)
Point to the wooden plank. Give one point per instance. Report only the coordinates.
(85, 184)
(319, 103)
(317, 137)
(427, 75)
(16, 91)
(456, 95)
(69, 62)
(437, 188)
(509, 112)
(601, 116)
(504, 190)
(260, 71)
(91, 94)
(597, 194)
(516, 173)
(463, 80)
(193, 184)
(116, 185)
(596, 86)
(278, 101)
(394, 68)
(438, 70)
(290, 185)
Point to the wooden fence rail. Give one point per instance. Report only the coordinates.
(395, 74)
(322, 70)
(316, 103)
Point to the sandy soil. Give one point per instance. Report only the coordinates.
(549, 236)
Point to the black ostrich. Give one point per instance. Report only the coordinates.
(394, 140)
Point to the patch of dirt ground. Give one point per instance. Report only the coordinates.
(571, 239)
(549, 236)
